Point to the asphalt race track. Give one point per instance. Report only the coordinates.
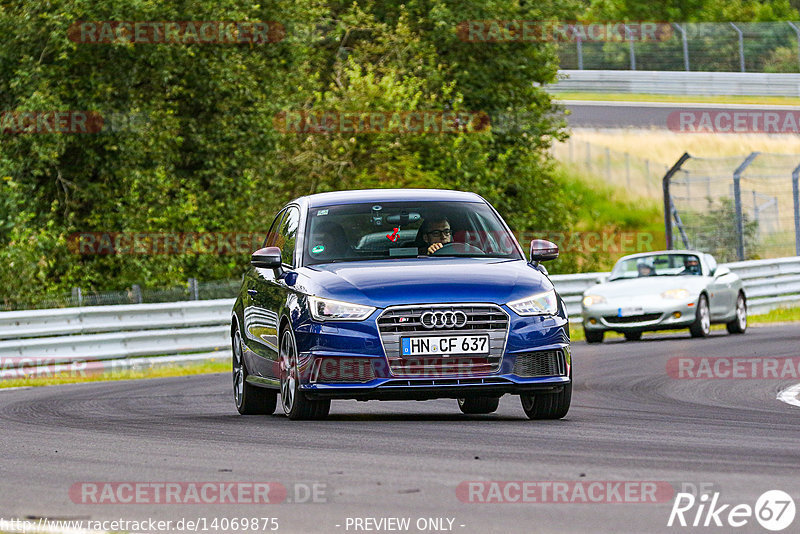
(629, 422)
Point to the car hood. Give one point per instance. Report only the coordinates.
(654, 285)
(427, 280)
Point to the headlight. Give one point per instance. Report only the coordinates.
(676, 294)
(335, 310)
(591, 300)
(539, 304)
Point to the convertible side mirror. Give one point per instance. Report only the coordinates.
(721, 271)
(267, 258)
(543, 250)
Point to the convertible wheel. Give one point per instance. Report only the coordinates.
(701, 326)
(633, 336)
(547, 405)
(739, 324)
(295, 404)
(249, 399)
(478, 405)
(594, 336)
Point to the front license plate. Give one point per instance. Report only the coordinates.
(444, 345)
(627, 312)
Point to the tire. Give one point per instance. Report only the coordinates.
(295, 404)
(739, 324)
(633, 336)
(547, 405)
(594, 336)
(478, 405)
(702, 323)
(249, 399)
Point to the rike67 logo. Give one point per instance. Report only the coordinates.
(774, 510)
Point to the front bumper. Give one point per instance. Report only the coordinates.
(434, 388)
(657, 316)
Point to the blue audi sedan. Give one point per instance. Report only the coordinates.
(398, 294)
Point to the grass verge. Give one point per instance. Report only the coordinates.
(220, 366)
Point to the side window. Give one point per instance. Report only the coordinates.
(288, 235)
(272, 235)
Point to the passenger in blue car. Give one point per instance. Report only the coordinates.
(436, 233)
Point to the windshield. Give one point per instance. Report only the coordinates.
(657, 265)
(357, 232)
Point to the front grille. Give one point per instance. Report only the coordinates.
(543, 363)
(342, 370)
(613, 319)
(404, 321)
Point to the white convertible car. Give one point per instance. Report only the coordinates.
(661, 291)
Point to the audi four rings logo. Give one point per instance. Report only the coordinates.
(443, 319)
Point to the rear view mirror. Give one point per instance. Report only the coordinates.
(266, 258)
(543, 250)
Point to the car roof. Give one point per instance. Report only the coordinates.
(661, 252)
(360, 196)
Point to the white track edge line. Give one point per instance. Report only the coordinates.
(790, 395)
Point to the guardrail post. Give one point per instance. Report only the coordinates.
(685, 43)
(668, 198)
(579, 47)
(796, 198)
(737, 200)
(741, 46)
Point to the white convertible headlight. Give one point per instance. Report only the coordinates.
(540, 304)
(591, 300)
(676, 294)
(335, 310)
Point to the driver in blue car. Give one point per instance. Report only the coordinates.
(436, 233)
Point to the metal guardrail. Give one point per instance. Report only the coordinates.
(201, 329)
(678, 83)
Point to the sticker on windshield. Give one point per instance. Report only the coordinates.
(322, 212)
(318, 249)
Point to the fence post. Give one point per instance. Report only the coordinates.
(796, 197)
(137, 293)
(668, 199)
(685, 45)
(628, 169)
(630, 41)
(579, 45)
(194, 289)
(797, 33)
(737, 200)
(77, 295)
(741, 45)
(588, 156)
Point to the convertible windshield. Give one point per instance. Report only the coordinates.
(355, 232)
(657, 265)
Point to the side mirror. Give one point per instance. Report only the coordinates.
(543, 250)
(721, 271)
(267, 258)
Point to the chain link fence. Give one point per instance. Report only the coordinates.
(737, 208)
(638, 176)
(193, 290)
(706, 47)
